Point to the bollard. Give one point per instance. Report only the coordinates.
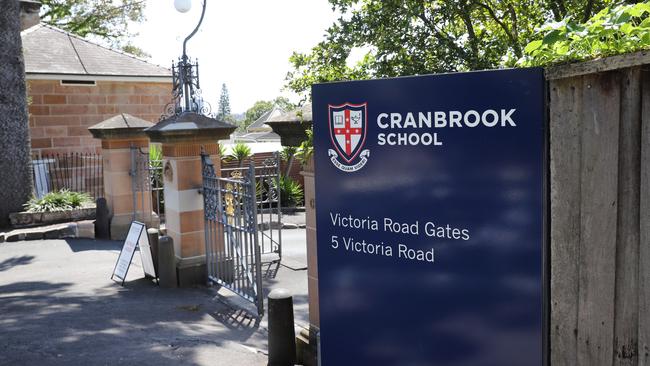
(153, 243)
(102, 221)
(166, 262)
(282, 336)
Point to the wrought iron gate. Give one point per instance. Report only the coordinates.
(269, 211)
(233, 253)
(146, 185)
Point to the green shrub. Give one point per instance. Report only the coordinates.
(240, 152)
(291, 193)
(156, 177)
(614, 30)
(306, 149)
(58, 201)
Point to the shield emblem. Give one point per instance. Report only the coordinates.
(348, 125)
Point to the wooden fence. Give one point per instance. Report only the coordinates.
(600, 212)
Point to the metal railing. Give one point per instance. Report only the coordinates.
(269, 210)
(157, 188)
(146, 179)
(77, 172)
(233, 255)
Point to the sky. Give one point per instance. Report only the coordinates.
(244, 43)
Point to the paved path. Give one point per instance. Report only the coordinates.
(58, 306)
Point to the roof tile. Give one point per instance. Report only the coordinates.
(49, 50)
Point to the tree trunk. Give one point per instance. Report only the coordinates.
(289, 164)
(15, 170)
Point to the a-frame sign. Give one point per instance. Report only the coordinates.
(136, 237)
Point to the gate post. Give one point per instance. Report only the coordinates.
(183, 137)
(118, 134)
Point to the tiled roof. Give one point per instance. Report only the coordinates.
(302, 114)
(260, 123)
(260, 136)
(49, 50)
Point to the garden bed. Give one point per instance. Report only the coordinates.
(30, 219)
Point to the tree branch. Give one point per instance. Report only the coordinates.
(442, 36)
(513, 41)
(473, 41)
(588, 9)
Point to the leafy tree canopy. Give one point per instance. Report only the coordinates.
(107, 19)
(410, 37)
(614, 30)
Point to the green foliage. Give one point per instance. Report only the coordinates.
(287, 153)
(130, 48)
(108, 19)
(58, 201)
(613, 30)
(156, 176)
(306, 149)
(222, 152)
(291, 193)
(262, 106)
(419, 37)
(155, 153)
(240, 152)
(156, 164)
(223, 113)
(253, 113)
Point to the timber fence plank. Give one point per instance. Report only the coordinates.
(565, 150)
(599, 188)
(627, 234)
(644, 225)
(598, 65)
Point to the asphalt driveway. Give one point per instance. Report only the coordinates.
(58, 306)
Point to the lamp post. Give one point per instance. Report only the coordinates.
(186, 89)
(188, 134)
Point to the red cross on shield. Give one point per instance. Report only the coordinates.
(348, 126)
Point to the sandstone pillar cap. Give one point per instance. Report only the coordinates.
(121, 126)
(292, 126)
(190, 127)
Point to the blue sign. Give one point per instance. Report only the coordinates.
(430, 201)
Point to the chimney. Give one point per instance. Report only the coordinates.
(29, 10)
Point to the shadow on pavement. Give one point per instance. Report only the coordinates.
(15, 261)
(79, 245)
(49, 323)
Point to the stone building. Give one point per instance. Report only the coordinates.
(74, 83)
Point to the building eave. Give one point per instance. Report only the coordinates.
(89, 77)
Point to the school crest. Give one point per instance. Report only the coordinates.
(348, 125)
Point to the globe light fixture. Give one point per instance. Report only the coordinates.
(183, 6)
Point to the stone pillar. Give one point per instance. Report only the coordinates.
(183, 137)
(118, 135)
(312, 258)
(292, 128)
(184, 205)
